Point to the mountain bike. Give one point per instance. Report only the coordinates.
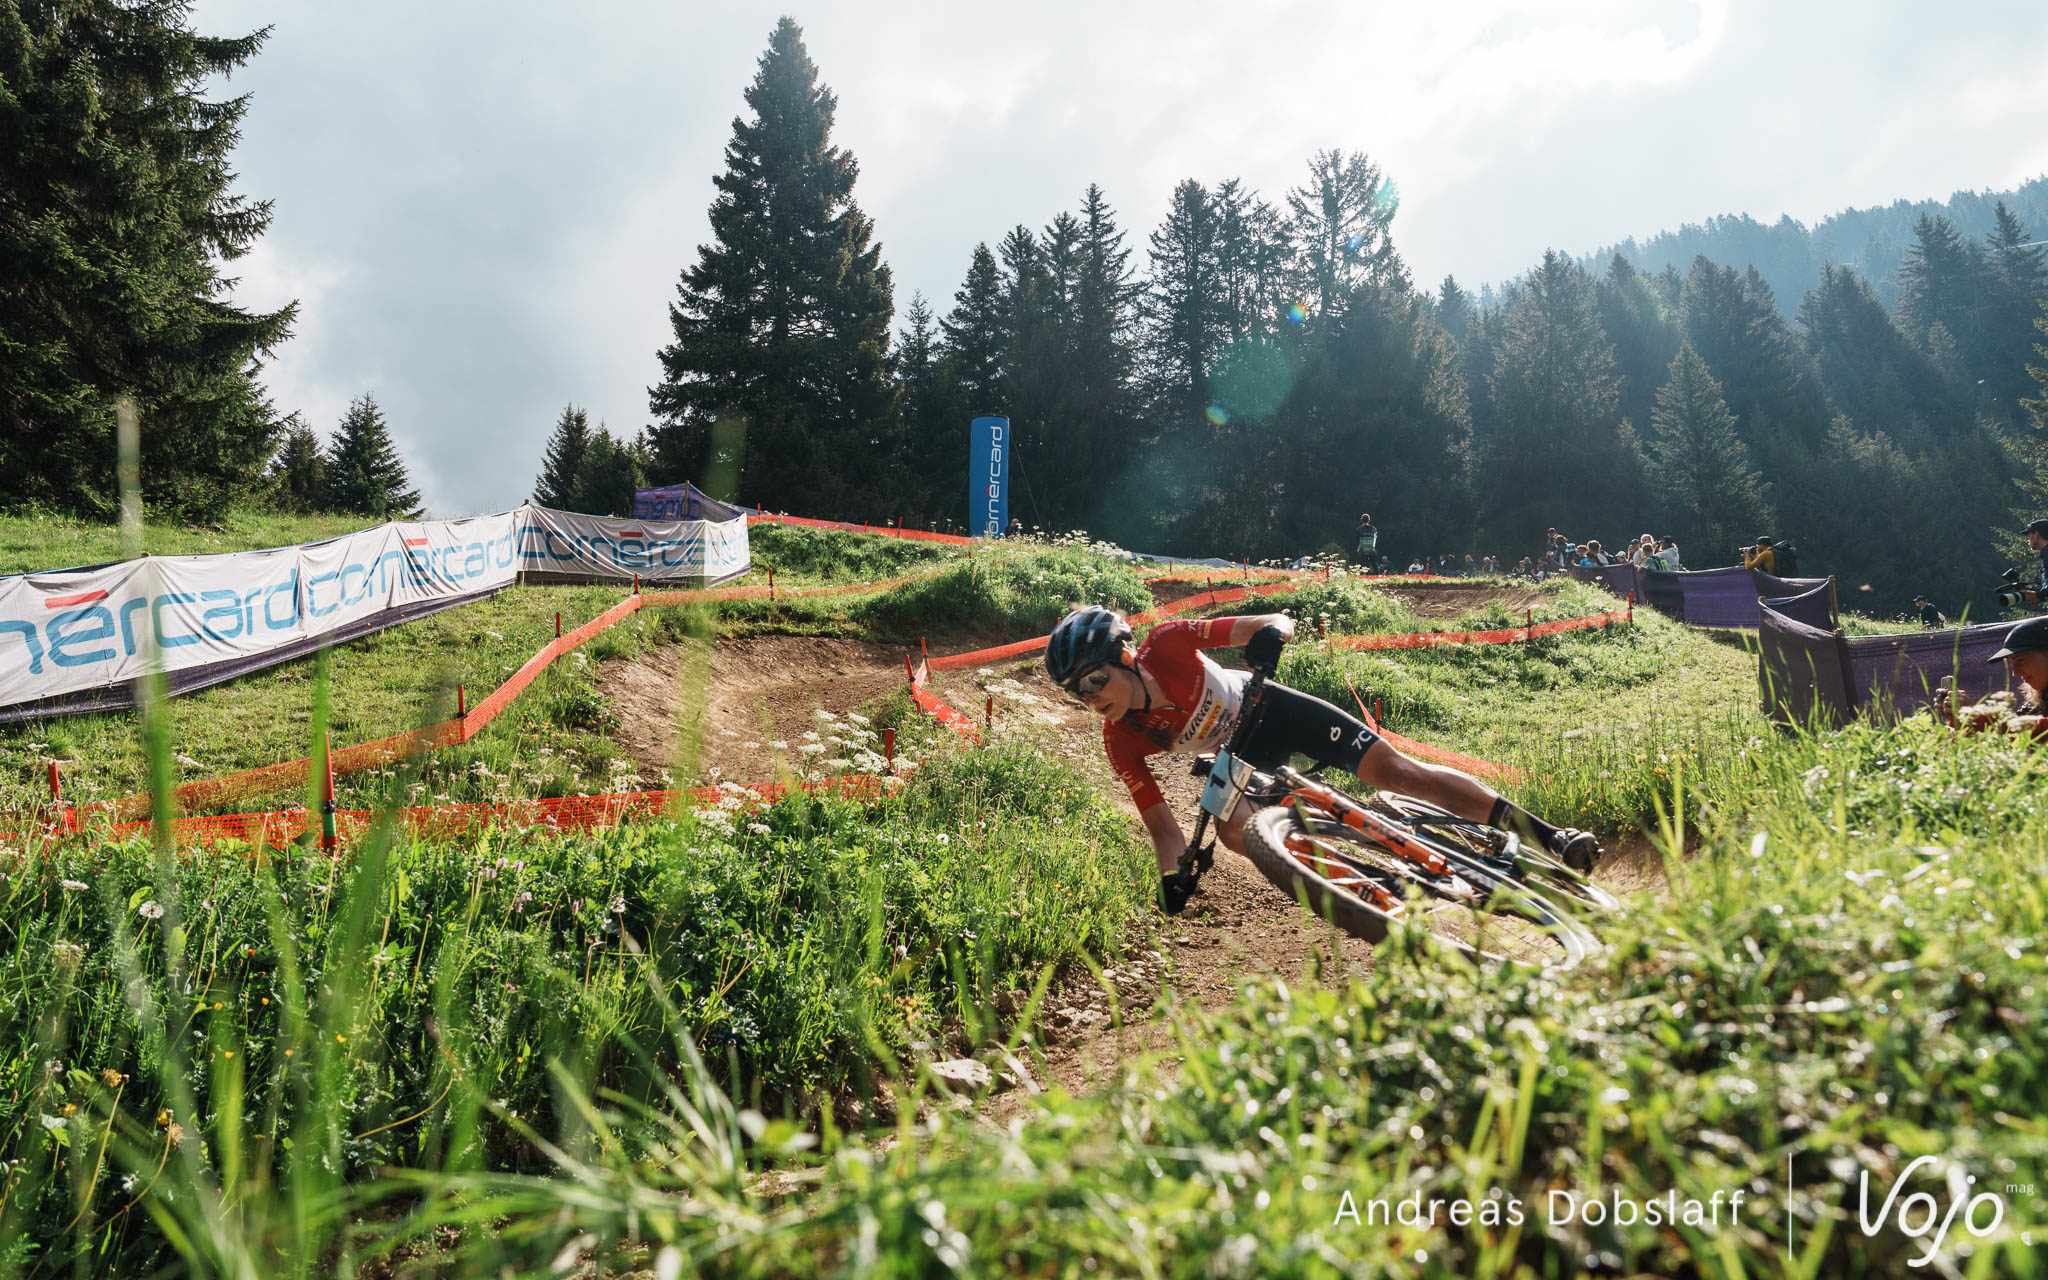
(1364, 870)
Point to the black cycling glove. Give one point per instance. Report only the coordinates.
(1262, 651)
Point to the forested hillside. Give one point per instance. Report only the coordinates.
(1790, 255)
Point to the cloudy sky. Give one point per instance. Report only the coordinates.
(482, 208)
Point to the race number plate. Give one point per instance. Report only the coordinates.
(1228, 778)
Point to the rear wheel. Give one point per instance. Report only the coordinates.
(1361, 887)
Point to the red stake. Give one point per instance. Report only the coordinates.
(636, 584)
(558, 624)
(909, 670)
(771, 584)
(1529, 618)
(1322, 630)
(461, 703)
(889, 750)
(1379, 715)
(328, 839)
(989, 713)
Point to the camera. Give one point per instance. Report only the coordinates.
(2009, 590)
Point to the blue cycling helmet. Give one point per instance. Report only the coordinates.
(1087, 637)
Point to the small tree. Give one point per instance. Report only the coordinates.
(556, 485)
(364, 473)
(298, 474)
(606, 477)
(1699, 462)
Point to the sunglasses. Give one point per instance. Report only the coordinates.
(1090, 682)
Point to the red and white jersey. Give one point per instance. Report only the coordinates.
(1204, 702)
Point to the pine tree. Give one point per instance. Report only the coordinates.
(1948, 302)
(116, 213)
(298, 474)
(1097, 438)
(1031, 370)
(1867, 364)
(976, 337)
(606, 475)
(1338, 222)
(1184, 320)
(1644, 334)
(556, 485)
(1732, 321)
(365, 475)
(1556, 403)
(2019, 298)
(781, 357)
(928, 453)
(1699, 465)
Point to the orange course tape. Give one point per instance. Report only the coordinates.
(935, 706)
(1506, 635)
(375, 754)
(564, 813)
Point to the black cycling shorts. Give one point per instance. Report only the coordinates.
(1293, 723)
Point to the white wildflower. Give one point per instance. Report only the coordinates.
(75, 886)
(151, 910)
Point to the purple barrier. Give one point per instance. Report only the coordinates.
(1717, 597)
(1895, 675)
(1808, 670)
(1814, 606)
(1802, 668)
(1618, 578)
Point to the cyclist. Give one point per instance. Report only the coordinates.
(1166, 695)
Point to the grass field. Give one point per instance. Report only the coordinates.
(697, 1047)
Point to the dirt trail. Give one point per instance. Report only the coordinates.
(1452, 599)
(763, 689)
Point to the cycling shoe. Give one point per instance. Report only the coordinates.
(1579, 850)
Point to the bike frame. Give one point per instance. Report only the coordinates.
(1289, 786)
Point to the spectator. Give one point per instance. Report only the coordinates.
(2037, 542)
(1762, 557)
(1471, 568)
(1667, 551)
(1930, 617)
(1368, 538)
(1416, 566)
(1596, 556)
(2025, 655)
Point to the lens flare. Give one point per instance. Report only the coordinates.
(1296, 313)
(1218, 415)
(1354, 242)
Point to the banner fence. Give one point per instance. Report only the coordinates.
(76, 640)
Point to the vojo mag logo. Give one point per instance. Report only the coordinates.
(992, 517)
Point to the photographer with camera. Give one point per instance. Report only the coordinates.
(1761, 557)
(2012, 593)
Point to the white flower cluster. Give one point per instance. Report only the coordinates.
(841, 745)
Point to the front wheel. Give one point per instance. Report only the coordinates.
(1361, 887)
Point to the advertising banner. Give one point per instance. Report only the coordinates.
(75, 640)
(560, 546)
(988, 477)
